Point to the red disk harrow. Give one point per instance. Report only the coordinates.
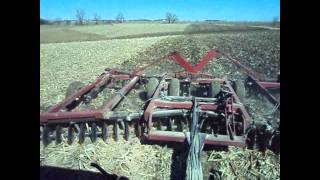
(176, 106)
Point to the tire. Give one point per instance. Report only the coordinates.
(151, 87)
(74, 87)
(174, 87)
(215, 88)
(240, 89)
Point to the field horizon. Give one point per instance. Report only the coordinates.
(92, 32)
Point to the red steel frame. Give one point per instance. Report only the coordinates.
(262, 87)
(257, 79)
(180, 136)
(55, 113)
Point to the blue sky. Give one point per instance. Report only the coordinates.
(231, 10)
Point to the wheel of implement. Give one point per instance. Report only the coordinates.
(174, 87)
(215, 88)
(70, 134)
(82, 132)
(240, 89)
(104, 131)
(58, 134)
(74, 87)
(151, 87)
(93, 132)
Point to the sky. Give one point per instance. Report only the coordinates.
(194, 10)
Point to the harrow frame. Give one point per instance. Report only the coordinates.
(223, 140)
(61, 114)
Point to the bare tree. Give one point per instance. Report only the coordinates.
(120, 18)
(171, 18)
(80, 16)
(96, 18)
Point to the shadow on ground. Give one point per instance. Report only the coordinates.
(54, 173)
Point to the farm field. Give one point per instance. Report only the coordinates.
(63, 63)
(70, 33)
(116, 30)
(58, 34)
(67, 33)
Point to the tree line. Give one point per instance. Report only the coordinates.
(80, 15)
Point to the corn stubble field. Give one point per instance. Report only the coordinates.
(63, 63)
